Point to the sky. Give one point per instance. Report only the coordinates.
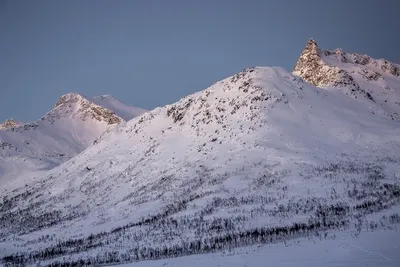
(149, 53)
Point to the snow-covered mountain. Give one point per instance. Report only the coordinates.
(260, 156)
(70, 127)
(376, 81)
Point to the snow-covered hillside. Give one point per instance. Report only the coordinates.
(375, 81)
(70, 127)
(258, 157)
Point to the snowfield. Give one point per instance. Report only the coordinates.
(261, 157)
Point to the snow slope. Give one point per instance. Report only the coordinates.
(124, 111)
(71, 126)
(258, 157)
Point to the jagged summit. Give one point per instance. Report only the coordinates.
(315, 71)
(359, 76)
(312, 47)
(312, 56)
(312, 52)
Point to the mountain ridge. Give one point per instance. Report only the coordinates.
(256, 151)
(260, 156)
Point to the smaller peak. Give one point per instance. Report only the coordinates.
(339, 51)
(341, 55)
(10, 123)
(11, 120)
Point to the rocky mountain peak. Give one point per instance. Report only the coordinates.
(359, 76)
(73, 105)
(69, 99)
(309, 65)
(312, 68)
(312, 47)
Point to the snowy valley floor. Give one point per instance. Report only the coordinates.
(379, 248)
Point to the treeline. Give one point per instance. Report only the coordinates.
(211, 234)
(31, 220)
(205, 245)
(221, 232)
(327, 217)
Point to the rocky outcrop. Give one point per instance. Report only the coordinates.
(359, 76)
(10, 123)
(311, 67)
(315, 71)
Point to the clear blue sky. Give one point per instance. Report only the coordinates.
(150, 53)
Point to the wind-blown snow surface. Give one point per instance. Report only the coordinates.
(70, 127)
(258, 157)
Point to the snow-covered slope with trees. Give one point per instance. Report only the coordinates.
(70, 127)
(258, 157)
